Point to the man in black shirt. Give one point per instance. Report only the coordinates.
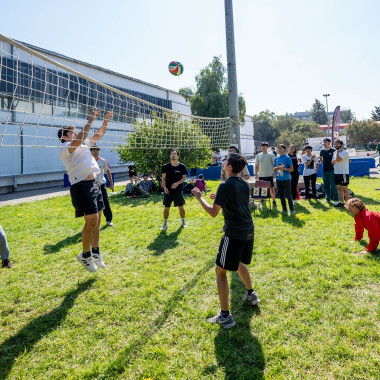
(173, 175)
(236, 246)
(326, 156)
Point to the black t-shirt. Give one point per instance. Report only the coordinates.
(327, 156)
(233, 197)
(174, 174)
(294, 162)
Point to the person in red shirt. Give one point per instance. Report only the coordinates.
(365, 219)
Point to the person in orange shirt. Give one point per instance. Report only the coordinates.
(365, 219)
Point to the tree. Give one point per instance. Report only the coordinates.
(376, 114)
(262, 125)
(346, 115)
(283, 123)
(210, 99)
(299, 133)
(289, 137)
(362, 132)
(318, 113)
(140, 144)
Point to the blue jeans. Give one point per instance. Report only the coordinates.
(4, 250)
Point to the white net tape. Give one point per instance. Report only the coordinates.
(38, 96)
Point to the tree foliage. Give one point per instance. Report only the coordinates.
(262, 125)
(283, 123)
(362, 132)
(376, 114)
(139, 146)
(299, 133)
(318, 113)
(346, 115)
(210, 99)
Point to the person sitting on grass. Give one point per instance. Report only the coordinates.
(236, 245)
(365, 219)
(199, 182)
(144, 188)
(4, 250)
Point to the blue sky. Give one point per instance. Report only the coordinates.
(288, 52)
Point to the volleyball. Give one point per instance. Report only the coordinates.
(175, 68)
(212, 196)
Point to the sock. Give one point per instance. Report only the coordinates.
(165, 221)
(95, 250)
(86, 254)
(225, 313)
(250, 291)
(183, 220)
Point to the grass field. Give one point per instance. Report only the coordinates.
(144, 316)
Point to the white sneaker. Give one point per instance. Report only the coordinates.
(87, 262)
(109, 224)
(164, 227)
(97, 259)
(184, 225)
(336, 203)
(295, 202)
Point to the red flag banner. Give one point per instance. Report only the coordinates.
(335, 124)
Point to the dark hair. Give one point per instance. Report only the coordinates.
(234, 147)
(327, 139)
(63, 132)
(95, 147)
(237, 161)
(264, 143)
(308, 147)
(281, 146)
(201, 178)
(175, 150)
(339, 141)
(145, 175)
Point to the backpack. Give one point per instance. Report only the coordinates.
(129, 189)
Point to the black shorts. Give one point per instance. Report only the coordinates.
(232, 252)
(270, 179)
(342, 179)
(177, 198)
(87, 198)
(132, 174)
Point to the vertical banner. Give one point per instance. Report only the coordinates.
(335, 125)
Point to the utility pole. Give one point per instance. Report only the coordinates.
(233, 104)
(327, 108)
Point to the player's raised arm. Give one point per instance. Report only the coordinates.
(102, 130)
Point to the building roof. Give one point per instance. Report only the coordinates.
(95, 67)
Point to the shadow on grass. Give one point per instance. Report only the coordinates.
(164, 241)
(122, 200)
(237, 349)
(71, 240)
(115, 368)
(293, 220)
(36, 330)
(318, 205)
(367, 201)
(301, 209)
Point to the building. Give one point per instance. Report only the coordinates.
(306, 116)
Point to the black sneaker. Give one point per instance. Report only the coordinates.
(339, 204)
(6, 263)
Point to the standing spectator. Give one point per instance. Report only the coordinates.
(377, 145)
(133, 174)
(326, 156)
(310, 171)
(173, 176)
(217, 158)
(104, 168)
(282, 169)
(236, 245)
(274, 151)
(295, 174)
(264, 169)
(244, 173)
(4, 250)
(341, 171)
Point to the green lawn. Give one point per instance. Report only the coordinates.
(144, 316)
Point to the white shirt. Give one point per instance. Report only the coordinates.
(308, 170)
(103, 166)
(342, 167)
(79, 164)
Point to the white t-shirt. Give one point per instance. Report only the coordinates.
(311, 168)
(79, 164)
(103, 166)
(342, 167)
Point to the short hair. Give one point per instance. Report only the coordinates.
(375, 140)
(339, 141)
(234, 147)
(175, 150)
(95, 147)
(237, 161)
(264, 144)
(327, 139)
(308, 147)
(145, 175)
(63, 132)
(281, 146)
(200, 176)
(273, 147)
(355, 202)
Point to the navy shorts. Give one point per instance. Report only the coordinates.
(177, 198)
(232, 252)
(87, 198)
